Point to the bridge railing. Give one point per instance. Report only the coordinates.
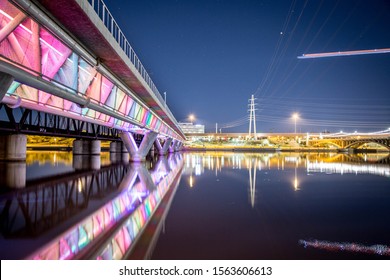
(108, 20)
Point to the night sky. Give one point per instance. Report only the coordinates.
(211, 56)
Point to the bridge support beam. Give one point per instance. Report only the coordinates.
(86, 147)
(5, 82)
(175, 146)
(179, 145)
(172, 147)
(163, 149)
(138, 154)
(13, 147)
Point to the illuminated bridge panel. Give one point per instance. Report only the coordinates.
(34, 50)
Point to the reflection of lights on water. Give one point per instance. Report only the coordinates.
(291, 159)
(342, 168)
(198, 169)
(80, 185)
(191, 181)
(296, 182)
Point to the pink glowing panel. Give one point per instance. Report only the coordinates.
(97, 224)
(7, 10)
(121, 239)
(93, 90)
(55, 101)
(110, 101)
(106, 89)
(129, 104)
(65, 251)
(54, 53)
(14, 46)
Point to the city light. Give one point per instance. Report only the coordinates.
(191, 117)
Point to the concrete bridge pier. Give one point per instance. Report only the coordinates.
(117, 147)
(13, 147)
(163, 149)
(86, 147)
(118, 152)
(86, 154)
(138, 154)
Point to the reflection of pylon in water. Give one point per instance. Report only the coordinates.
(252, 182)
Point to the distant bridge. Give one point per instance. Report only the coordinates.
(70, 58)
(339, 140)
(352, 141)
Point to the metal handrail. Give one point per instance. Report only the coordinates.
(112, 26)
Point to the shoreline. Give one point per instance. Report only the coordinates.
(229, 149)
(277, 150)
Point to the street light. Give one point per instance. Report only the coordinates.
(191, 117)
(295, 116)
(165, 97)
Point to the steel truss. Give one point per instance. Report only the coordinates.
(33, 122)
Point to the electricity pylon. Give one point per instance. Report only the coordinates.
(252, 116)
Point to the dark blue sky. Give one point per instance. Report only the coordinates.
(210, 56)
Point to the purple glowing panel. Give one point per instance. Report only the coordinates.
(124, 237)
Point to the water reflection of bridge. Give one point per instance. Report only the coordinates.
(108, 197)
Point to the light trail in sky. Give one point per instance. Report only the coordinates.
(344, 53)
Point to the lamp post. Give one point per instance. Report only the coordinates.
(295, 116)
(165, 97)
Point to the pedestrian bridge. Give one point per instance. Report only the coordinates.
(70, 58)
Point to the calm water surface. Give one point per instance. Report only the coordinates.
(224, 206)
(259, 206)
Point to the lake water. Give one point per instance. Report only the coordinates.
(260, 206)
(215, 205)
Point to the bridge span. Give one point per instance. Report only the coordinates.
(309, 140)
(69, 58)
